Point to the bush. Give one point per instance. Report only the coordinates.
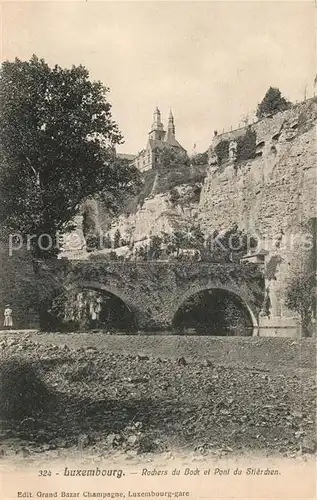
(113, 255)
(92, 242)
(200, 159)
(246, 146)
(155, 250)
(222, 151)
(301, 298)
(22, 392)
(174, 196)
(272, 103)
(116, 238)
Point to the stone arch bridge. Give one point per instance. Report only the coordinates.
(154, 290)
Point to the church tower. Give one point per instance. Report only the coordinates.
(158, 141)
(171, 127)
(157, 130)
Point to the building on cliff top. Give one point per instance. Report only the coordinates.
(149, 157)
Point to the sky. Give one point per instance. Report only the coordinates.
(210, 62)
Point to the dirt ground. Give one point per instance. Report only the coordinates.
(137, 396)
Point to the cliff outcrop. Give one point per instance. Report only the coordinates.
(276, 189)
(272, 195)
(160, 213)
(168, 200)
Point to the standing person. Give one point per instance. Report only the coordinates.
(98, 307)
(93, 312)
(8, 317)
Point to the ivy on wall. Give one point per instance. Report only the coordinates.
(222, 151)
(246, 146)
(63, 280)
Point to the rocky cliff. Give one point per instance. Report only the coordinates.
(160, 213)
(272, 195)
(271, 192)
(261, 177)
(274, 190)
(169, 200)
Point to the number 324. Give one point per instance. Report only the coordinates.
(43, 473)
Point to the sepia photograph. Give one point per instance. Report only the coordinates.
(158, 249)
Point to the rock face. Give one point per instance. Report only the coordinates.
(168, 201)
(272, 196)
(159, 214)
(275, 190)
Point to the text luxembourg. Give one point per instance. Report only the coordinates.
(118, 473)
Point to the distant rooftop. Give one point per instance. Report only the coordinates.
(126, 156)
(165, 143)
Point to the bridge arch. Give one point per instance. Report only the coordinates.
(111, 291)
(206, 297)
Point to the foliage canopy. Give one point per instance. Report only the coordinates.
(57, 148)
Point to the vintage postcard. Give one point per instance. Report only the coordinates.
(158, 250)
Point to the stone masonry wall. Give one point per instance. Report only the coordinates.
(18, 287)
(154, 291)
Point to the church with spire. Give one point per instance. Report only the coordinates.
(158, 140)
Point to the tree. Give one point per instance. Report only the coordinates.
(173, 158)
(301, 298)
(178, 240)
(142, 253)
(246, 145)
(272, 103)
(116, 239)
(106, 241)
(196, 238)
(200, 159)
(92, 242)
(174, 196)
(57, 149)
(222, 151)
(113, 255)
(155, 247)
(229, 246)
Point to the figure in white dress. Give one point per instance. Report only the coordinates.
(92, 311)
(95, 309)
(8, 317)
